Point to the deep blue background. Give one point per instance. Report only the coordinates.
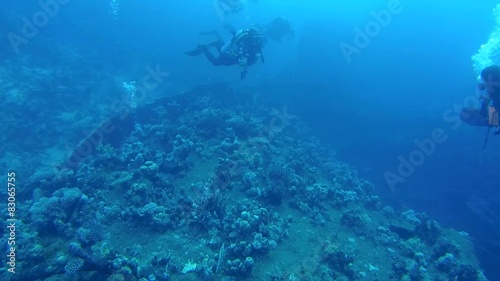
(371, 110)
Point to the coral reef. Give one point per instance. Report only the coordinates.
(194, 187)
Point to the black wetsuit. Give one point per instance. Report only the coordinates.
(242, 49)
(222, 58)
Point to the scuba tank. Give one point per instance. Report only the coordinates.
(243, 39)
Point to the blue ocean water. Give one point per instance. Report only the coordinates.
(381, 83)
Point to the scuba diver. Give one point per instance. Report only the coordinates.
(277, 29)
(490, 83)
(244, 49)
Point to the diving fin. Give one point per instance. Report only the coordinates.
(196, 51)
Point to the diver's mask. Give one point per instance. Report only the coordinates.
(258, 40)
